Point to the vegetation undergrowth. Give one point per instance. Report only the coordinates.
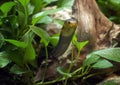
(21, 21)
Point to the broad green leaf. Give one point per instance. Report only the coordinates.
(17, 70)
(115, 4)
(7, 6)
(21, 18)
(63, 72)
(38, 5)
(110, 53)
(46, 20)
(41, 33)
(102, 64)
(74, 40)
(91, 59)
(24, 2)
(4, 60)
(29, 51)
(37, 17)
(16, 56)
(58, 21)
(49, 1)
(110, 5)
(65, 3)
(54, 39)
(31, 9)
(16, 43)
(79, 45)
(1, 40)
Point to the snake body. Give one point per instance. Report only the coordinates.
(66, 35)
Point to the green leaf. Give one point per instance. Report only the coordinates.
(16, 56)
(115, 4)
(65, 3)
(110, 53)
(102, 64)
(91, 59)
(49, 1)
(63, 72)
(58, 21)
(31, 9)
(79, 45)
(16, 43)
(30, 54)
(24, 2)
(46, 20)
(1, 40)
(21, 18)
(6, 7)
(54, 40)
(37, 17)
(4, 60)
(17, 70)
(38, 5)
(42, 34)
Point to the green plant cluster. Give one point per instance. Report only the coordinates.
(18, 29)
(101, 59)
(19, 21)
(111, 9)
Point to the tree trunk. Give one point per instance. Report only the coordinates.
(94, 25)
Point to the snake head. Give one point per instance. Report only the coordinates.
(69, 27)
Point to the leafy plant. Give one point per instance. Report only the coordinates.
(19, 20)
(111, 9)
(110, 54)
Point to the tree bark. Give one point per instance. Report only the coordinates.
(93, 25)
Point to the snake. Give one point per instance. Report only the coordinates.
(66, 35)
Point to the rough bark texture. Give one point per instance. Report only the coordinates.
(93, 25)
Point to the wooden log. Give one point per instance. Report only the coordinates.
(93, 25)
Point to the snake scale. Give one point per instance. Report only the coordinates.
(66, 35)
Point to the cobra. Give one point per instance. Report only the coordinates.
(66, 35)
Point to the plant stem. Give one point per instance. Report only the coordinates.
(72, 62)
(45, 65)
(29, 75)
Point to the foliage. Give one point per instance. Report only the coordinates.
(103, 58)
(4, 60)
(111, 9)
(21, 21)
